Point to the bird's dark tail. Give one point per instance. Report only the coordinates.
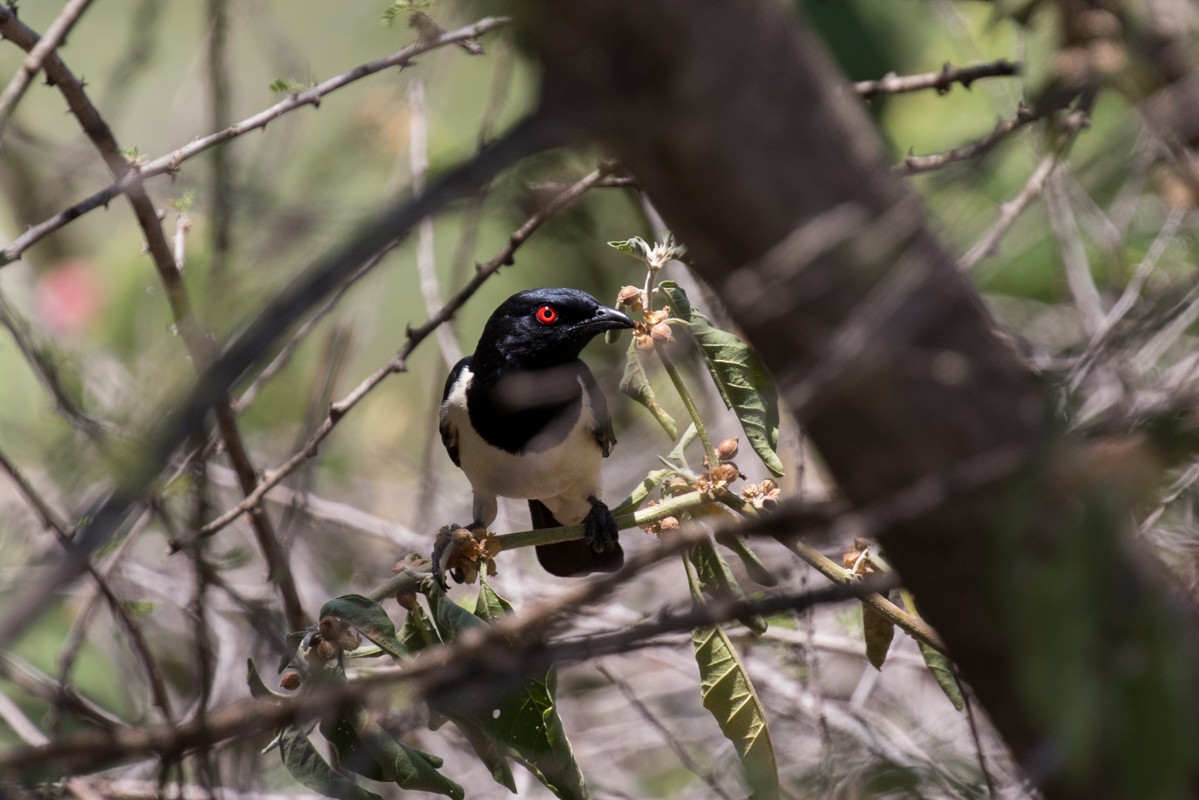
(568, 559)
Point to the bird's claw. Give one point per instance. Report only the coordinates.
(600, 531)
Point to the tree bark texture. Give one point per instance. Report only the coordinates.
(748, 141)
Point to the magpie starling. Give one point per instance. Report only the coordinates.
(523, 417)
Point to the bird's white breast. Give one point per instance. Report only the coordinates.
(562, 476)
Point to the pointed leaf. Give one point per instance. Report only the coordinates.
(942, 669)
(641, 491)
(417, 632)
(490, 606)
(754, 567)
(525, 718)
(257, 687)
(717, 581)
(407, 767)
(369, 618)
(489, 751)
(635, 384)
(636, 247)
(879, 633)
(729, 696)
(306, 766)
(739, 376)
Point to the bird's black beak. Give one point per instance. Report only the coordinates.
(608, 319)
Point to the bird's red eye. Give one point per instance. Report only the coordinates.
(547, 315)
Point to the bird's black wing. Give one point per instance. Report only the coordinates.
(449, 436)
(602, 427)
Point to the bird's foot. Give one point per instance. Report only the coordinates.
(600, 531)
(460, 552)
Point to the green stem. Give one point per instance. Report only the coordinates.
(677, 380)
(670, 508)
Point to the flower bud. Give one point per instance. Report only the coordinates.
(727, 450)
(291, 680)
(326, 650)
(669, 524)
(643, 343)
(662, 332)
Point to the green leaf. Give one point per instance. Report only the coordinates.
(306, 766)
(417, 632)
(879, 633)
(369, 618)
(729, 696)
(490, 606)
(636, 247)
(743, 383)
(490, 752)
(257, 687)
(636, 385)
(407, 767)
(754, 567)
(942, 669)
(717, 581)
(524, 719)
(641, 491)
(937, 662)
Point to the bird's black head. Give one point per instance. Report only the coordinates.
(540, 328)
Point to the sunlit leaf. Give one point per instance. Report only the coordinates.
(369, 618)
(635, 384)
(636, 247)
(641, 491)
(739, 376)
(729, 696)
(306, 766)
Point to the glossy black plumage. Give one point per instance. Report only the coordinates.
(524, 417)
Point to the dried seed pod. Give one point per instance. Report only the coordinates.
(668, 524)
(407, 600)
(629, 296)
(725, 473)
(643, 343)
(290, 680)
(662, 332)
(727, 450)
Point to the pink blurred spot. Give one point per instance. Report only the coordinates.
(68, 296)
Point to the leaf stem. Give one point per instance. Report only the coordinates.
(677, 379)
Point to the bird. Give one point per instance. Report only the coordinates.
(523, 417)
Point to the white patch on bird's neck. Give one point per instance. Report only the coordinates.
(562, 475)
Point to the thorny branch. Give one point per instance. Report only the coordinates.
(196, 341)
(55, 35)
(171, 162)
(942, 81)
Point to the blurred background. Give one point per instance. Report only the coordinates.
(90, 356)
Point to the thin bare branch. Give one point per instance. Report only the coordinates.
(1010, 211)
(171, 162)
